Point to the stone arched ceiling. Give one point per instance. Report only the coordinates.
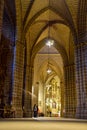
(35, 14)
(61, 17)
(58, 16)
(39, 16)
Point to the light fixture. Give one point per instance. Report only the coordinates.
(49, 43)
(49, 70)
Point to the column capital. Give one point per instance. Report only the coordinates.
(19, 42)
(69, 65)
(80, 45)
(29, 66)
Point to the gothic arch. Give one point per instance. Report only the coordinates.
(57, 46)
(30, 22)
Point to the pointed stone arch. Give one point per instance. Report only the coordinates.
(57, 46)
(71, 26)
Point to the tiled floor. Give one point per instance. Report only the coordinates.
(43, 124)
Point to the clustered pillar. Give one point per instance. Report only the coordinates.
(28, 92)
(18, 79)
(70, 91)
(1, 15)
(81, 80)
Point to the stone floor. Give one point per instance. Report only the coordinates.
(42, 124)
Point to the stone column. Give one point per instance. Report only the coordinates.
(18, 79)
(1, 15)
(62, 98)
(81, 80)
(35, 96)
(70, 91)
(28, 91)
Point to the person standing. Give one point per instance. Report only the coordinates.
(35, 110)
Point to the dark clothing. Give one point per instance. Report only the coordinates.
(35, 110)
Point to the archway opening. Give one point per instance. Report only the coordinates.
(47, 87)
(53, 97)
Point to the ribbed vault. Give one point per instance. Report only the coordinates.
(24, 31)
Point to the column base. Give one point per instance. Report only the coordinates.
(81, 113)
(18, 112)
(27, 113)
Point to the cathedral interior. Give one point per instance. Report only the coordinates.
(43, 58)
